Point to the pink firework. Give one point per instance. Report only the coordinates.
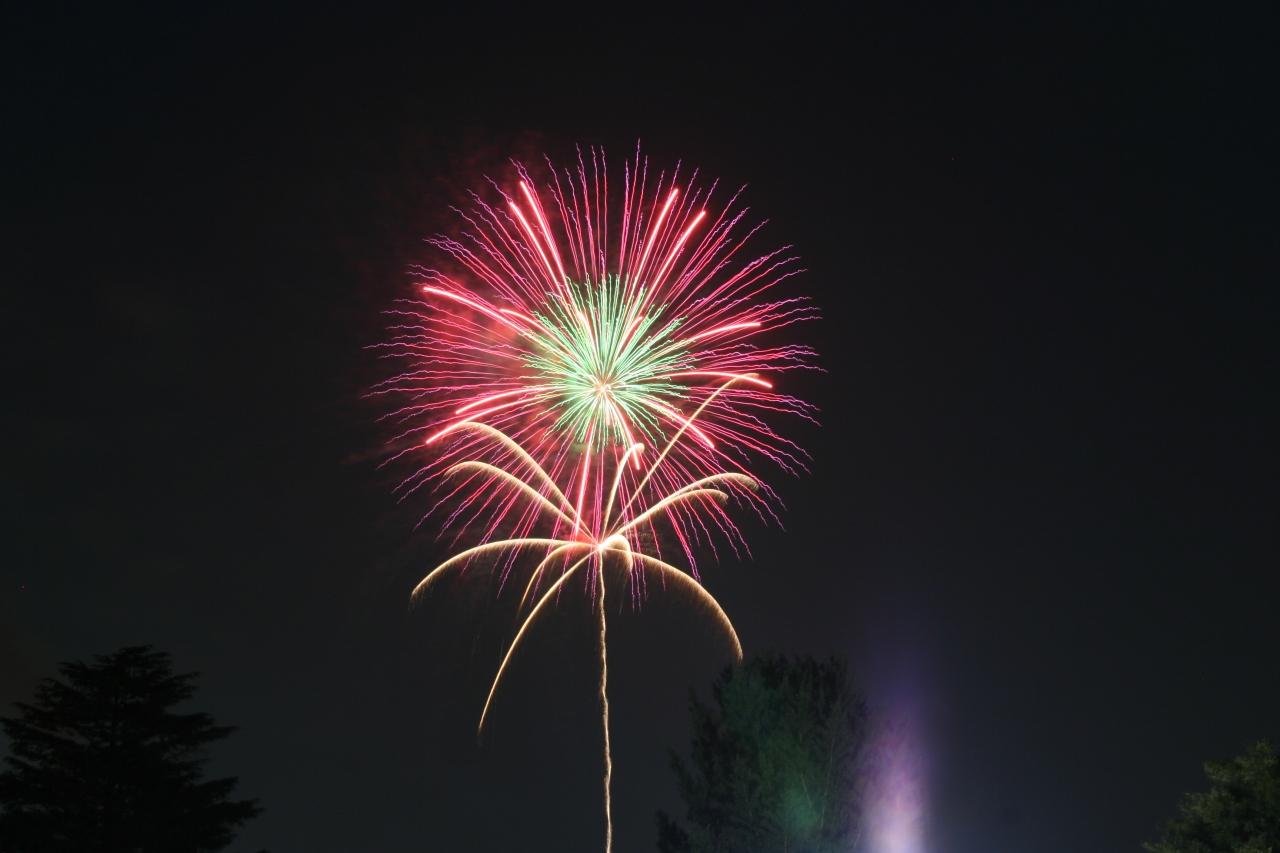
(590, 329)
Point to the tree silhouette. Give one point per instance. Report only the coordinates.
(1240, 813)
(101, 763)
(774, 764)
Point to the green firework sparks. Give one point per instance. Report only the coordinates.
(604, 361)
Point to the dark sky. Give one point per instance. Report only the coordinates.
(1041, 520)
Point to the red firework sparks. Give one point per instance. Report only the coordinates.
(581, 324)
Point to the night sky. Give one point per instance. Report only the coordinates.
(1041, 517)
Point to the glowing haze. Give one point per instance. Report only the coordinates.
(587, 375)
(895, 801)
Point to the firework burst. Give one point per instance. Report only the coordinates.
(580, 323)
(568, 333)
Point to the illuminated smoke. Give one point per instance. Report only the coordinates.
(895, 806)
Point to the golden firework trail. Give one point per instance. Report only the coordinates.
(594, 548)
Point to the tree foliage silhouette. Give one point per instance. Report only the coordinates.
(100, 762)
(774, 764)
(1240, 813)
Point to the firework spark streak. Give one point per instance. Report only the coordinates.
(564, 333)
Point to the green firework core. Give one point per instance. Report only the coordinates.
(605, 362)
